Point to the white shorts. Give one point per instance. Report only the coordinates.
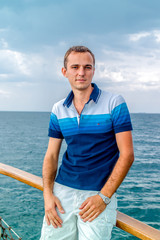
(73, 227)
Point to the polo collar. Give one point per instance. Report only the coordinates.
(94, 96)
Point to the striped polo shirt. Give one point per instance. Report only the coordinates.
(90, 137)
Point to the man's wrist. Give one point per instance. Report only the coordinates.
(105, 199)
(47, 192)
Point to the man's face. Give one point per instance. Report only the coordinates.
(80, 70)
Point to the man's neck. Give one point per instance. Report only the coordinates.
(81, 98)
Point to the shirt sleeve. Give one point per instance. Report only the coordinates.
(120, 115)
(54, 130)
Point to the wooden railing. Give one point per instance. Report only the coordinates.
(124, 222)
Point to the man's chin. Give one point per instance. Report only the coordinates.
(82, 86)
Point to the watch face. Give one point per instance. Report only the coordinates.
(107, 201)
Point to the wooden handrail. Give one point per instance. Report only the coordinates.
(22, 176)
(124, 222)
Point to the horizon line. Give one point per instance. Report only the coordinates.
(37, 111)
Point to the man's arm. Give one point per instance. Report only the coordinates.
(126, 158)
(49, 172)
(93, 206)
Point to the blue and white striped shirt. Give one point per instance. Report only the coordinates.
(91, 145)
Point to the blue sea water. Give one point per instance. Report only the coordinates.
(23, 142)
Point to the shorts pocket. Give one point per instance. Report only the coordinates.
(111, 216)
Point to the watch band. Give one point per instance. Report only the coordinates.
(104, 198)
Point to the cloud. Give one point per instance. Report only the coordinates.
(13, 62)
(19, 66)
(137, 36)
(34, 36)
(3, 30)
(154, 34)
(157, 35)
(130, 70)
(3, 43)
(33, 23)
(5, 94)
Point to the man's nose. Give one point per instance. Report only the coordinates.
(81, 71)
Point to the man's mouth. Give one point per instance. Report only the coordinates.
(80, 80)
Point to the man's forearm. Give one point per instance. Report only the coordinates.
(51, 202)
(49, 174)
(118, 174)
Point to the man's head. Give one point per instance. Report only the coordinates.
(79, 67)
(77, 49)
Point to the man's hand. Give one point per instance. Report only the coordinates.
(51, 215)
(91, 208)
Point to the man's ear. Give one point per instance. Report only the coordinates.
(64, 71)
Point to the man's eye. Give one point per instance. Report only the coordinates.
(88, 67)
(74, 67)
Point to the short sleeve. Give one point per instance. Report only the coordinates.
(120, 116)
(54, 130)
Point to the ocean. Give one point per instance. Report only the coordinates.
(23, 143)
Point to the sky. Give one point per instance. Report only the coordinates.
(35, 34)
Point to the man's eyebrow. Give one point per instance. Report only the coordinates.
(87, 65)
(75, 65)
(90, 65)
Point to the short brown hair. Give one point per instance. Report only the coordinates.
(79, 49)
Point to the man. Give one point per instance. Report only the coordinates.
(80, 202)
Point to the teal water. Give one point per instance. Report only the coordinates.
(23, 142)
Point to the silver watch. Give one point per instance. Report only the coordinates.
(105, 199)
